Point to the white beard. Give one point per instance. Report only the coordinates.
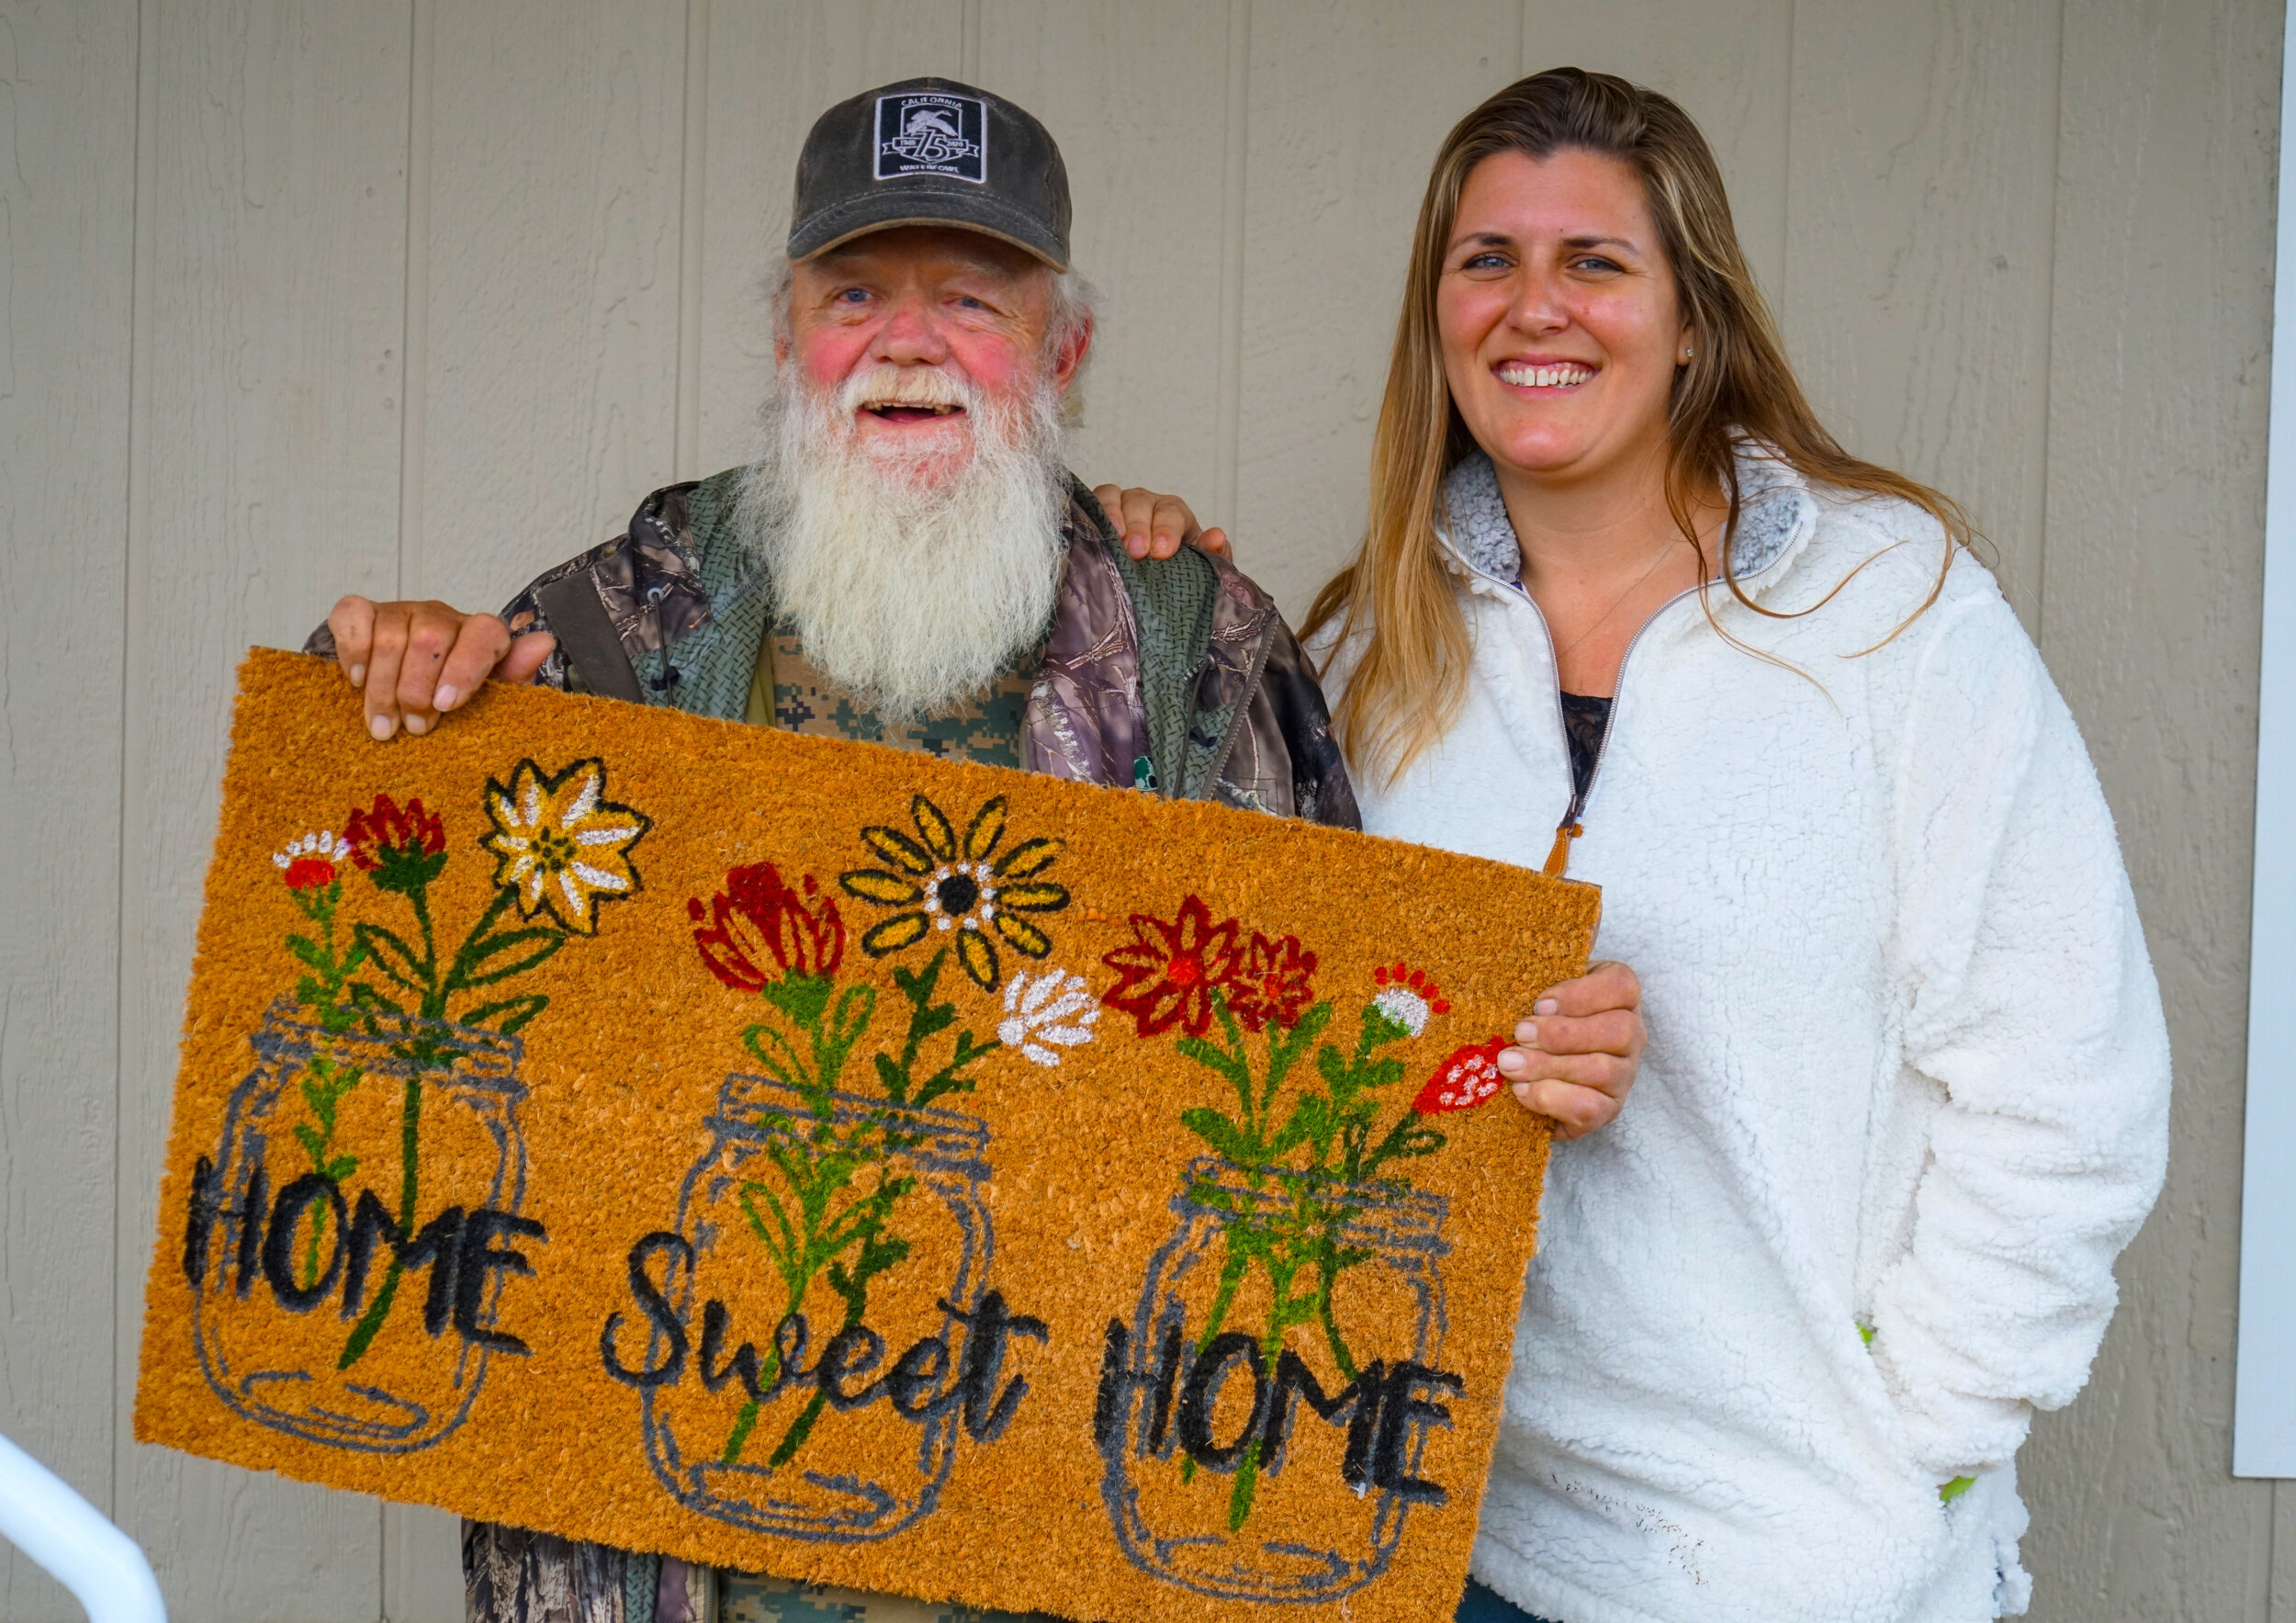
(913, 593)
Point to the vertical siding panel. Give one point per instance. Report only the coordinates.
(551, 388)
(1917, 278)
(1149, 215)
(2158, 362)
(1349, 100)
(266, 436)
(1725, 62)
(772, 70)
(67, 224)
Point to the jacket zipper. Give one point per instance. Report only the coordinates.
(1572, 828)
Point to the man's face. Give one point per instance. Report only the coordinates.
(920, 298)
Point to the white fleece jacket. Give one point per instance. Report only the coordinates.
(1906, 1070)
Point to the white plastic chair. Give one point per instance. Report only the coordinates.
(43, 1516)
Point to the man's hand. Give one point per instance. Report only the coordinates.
(1575, 1057)
(415, 662)
(1157, 526)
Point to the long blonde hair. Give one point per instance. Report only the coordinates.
(1394, 609)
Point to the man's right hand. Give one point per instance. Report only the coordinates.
(414, 661)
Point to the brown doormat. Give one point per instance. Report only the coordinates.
(803, 1156)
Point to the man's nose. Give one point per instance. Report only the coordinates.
(910, 337)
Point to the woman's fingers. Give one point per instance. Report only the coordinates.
(1575, 1058)
(1215, 540)
(1149, 523)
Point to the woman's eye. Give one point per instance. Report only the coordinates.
(1593, 262)
(1486, 262)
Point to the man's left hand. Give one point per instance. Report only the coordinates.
(1576, 1053)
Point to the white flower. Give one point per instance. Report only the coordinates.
(326, 845)
(1054, 1008)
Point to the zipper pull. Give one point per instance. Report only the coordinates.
(1558, 858)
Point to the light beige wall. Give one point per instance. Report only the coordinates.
(396, 296)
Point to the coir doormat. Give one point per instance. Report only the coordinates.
(803, 1156)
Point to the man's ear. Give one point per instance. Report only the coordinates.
(1071, 358)
(781, 352)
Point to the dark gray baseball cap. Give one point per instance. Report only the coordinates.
(930, 151)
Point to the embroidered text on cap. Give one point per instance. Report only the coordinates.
(926, 132)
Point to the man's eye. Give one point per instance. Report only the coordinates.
(966, 301)
(853, 296)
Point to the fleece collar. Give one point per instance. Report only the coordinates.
(1775, 518)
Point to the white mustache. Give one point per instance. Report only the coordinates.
(885, 384)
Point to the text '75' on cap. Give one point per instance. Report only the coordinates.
(930, 151)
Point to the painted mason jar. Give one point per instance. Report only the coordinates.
(363, 1159)
(823, 1392)
(1239, 1412)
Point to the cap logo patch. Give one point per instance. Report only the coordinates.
(928, 133)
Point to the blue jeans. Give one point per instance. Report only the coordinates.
(1481, 1606)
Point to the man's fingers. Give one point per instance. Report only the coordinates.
(386, 645)
(352, 624)
(1614, 1031)
(432, 628)
(1575, 1111)
(479, 645)
(525, 657)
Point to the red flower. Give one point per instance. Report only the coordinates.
(385, 831)
(1169, 970)
(1272, 984)
(310, 874)
(1468, 1078)
(759, 914)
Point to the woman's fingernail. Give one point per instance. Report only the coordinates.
(417, 726)
(1526, 1033)
(380, 727)
(358, 676)
(1546, 1006)
(1511, 1060)
(443, 700)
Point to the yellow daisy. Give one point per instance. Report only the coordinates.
(561, 843)
(942, 882)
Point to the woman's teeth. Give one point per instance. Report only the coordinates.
(1566, 375)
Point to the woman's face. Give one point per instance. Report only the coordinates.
(1559, 320)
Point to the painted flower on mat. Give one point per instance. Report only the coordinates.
(1274, 982)
(1407, 997)
(561, 843)
(403, 847)
(759, 924)
(941, 882)
(1168, 972)
(1470, 1077)
(312, 862)
(1053, 1012)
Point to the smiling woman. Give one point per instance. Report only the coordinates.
(1905, 1094)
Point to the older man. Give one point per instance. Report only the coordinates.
(906, 560)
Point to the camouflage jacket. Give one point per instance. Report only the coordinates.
(1179, 676)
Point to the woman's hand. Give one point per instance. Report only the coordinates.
(1575, 1057)
(1154, 526)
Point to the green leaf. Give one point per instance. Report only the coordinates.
(1309, 1120)
(392, 956)
(1221, 1133)
(314, 1144)
(341, 1167)
(1213, 1057)
(510, 1013)
(307, 950)
(782, 1061)
(803, 997)
(544, 942)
